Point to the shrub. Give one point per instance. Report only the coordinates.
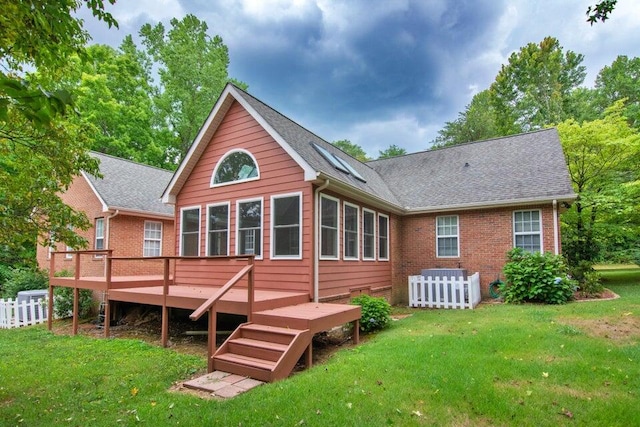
(24, 279)
(376, 312)
(536, 277)
(63, 298)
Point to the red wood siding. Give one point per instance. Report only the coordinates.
(485, 238)
(340, 279)
(279, 174)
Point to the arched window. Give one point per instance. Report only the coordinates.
(235, 166)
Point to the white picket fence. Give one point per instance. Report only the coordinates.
(14, 315)
(444, 292)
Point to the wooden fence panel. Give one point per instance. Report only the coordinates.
(444, 292)
(14, 315)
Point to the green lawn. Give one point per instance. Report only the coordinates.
(577, 364)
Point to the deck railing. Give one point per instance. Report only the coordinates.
(444, 292)
(209, 306)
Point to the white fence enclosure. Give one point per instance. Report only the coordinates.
(444, 292)
(14, 313)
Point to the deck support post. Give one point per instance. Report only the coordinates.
(76, 293)
(165, 310)
(52, 266)
(107, 306)
(356, 331)
(211, 340)
(250, 290)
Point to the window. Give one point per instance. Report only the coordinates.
(368, 234)
(351, 223)
(99, 241)
(383, 237)
(218, 230)
(286, 226)
(235, 166)
(249, 235)
(152, 245)
(190, 232)
(329, 220)
(527, 233)
(447, 236)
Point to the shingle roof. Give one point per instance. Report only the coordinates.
(518, 169)
(524, 167)
(131, 186)
(302, 140)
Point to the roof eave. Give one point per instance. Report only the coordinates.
(491, 204)
(139, 212)
(105, 207)
(361, 195)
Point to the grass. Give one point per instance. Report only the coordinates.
(496, 365)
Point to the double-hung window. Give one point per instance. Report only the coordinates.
(152, 245)
(383, 237)
(249, 231)
(286, 226)
(99, 240)
(368, 234)
(329, 221)
(190, 232)
(351, 225)
(447, 237)
(527, 231)
(218, 229)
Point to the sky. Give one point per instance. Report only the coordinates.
(381, 72)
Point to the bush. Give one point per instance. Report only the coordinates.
(63, 298)
(375, 312)
(588, 279)
(23, 279)
(536, 277)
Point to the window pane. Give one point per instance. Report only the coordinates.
(329, 242)
(190, 232)
(249, 228)
(368, 232)
(190, 244)
(190, 220)
(350, 231)
(237, 166)
(286, 233)
(249, 215)
(329, 227)
(447, 236)
(383, 237)
(218, 223)
(448, 246)
(287, 241)
(287, 210)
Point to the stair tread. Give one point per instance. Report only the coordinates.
(250, 342)
(247, 360)
(267, 328)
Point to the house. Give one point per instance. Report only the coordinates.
(127, 214)
(319, 221)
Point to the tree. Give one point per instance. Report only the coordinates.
(392, 151)
(621, 80)
(603, 157)
(39, 152)
(193, 71)
(600, 11)
(532, 90)
(354, 150)
(475, 123)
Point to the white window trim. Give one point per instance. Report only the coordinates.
(238, 202)
(344, 232)
(375, 246)
(381, 215)
(222, 159)
(513, 227)
(144, 237)
(188, 208)
(337, 256)
(272, 245)
(457, 236)
(211, 205)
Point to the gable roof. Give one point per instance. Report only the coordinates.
(130, 186)
(519, 169)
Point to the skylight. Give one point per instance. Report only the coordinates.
(338, 163)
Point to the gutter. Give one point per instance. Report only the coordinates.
(316, 239)
(556, 237)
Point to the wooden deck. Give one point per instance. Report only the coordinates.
(117, 282)
(316, 317)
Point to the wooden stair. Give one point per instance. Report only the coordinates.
(263, 352)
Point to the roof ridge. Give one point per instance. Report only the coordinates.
(131, 161)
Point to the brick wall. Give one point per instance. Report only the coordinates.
(485, 238)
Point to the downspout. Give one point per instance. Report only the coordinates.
(556, 240)
(316, 240)
(107, 233)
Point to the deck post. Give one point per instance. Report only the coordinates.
(76, 294)
(211, 340)
(52, 266)
(309, 355)
(356, 331)
(165, 311)
(250, 290)
(107, 307)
